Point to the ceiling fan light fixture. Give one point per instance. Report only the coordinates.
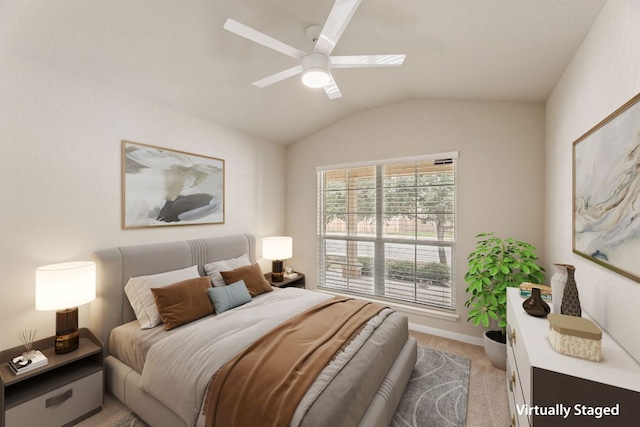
(316, 77)
(315, 70)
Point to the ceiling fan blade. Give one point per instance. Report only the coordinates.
(332, 90)
(263, 39)
(337, 21)
(275, 78)
(356, 61)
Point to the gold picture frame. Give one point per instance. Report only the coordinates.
(606, 192)
(163, 187)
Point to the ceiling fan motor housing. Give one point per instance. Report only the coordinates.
(315, 70)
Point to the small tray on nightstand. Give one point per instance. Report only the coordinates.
(297, 282)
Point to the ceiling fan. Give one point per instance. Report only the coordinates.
(316, 66)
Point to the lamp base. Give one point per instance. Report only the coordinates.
(67, 343)
(277, 270)
(67, 335)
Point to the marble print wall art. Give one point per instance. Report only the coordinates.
(164, 187)
(606, 192)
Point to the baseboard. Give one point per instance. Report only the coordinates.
(445, 334)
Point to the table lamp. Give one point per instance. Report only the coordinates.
(277, 248)
(63, 287)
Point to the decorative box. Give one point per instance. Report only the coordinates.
(525, 290)
(575, 336)
(527, 286)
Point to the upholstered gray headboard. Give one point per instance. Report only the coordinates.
(116, 265)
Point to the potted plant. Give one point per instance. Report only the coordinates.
(493, 266)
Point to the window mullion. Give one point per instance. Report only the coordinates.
(379, 273)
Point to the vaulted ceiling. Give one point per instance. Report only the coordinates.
(177, 52)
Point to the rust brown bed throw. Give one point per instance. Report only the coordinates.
(265, 382)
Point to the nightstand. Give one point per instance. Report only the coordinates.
(68, 389)
(298, 282)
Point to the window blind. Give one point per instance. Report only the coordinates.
(387, 230)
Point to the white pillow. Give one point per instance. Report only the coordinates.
(138, 290)
(213, 269)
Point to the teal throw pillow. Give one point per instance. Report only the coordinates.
(227, 297)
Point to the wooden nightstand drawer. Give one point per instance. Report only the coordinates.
(60, 406)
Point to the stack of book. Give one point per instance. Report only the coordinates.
(20, 364)
(525, 290)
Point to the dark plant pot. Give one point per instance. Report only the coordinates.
(496, 351)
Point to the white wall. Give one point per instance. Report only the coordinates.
(60, 177)
(500, 173)
(603, 75)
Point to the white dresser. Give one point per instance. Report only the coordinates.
(549, 389)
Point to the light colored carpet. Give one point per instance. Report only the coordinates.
(437, 392)
(487, 406)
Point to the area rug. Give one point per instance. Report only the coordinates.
(129, 420)
(437, 392)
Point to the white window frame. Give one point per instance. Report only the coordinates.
(378, 242)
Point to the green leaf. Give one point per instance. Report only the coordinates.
(493, 300)
(484, 318)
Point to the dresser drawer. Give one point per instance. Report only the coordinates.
(517, 399)
(512, 400)
(60, 406)
(516, 346)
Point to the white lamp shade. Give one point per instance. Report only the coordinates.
(65, 285)
(277, 247)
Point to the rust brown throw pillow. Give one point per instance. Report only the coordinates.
(183, 302)
(253, 279)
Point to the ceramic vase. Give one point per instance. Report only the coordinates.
(535, 306)
(570, 298)
(558, 281)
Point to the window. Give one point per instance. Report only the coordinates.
(388, 229)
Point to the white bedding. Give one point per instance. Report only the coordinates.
(179, 367)
(214, 340)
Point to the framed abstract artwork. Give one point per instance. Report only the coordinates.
(163, 187)
(606, 192)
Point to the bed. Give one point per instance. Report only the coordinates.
(364, 390)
